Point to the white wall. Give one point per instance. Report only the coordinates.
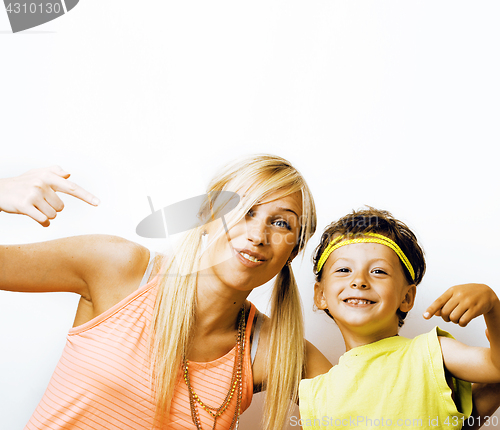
(391, 104)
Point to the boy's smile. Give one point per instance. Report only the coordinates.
(358, 302)
(363, 285)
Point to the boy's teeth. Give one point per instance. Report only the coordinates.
(358, 302)
(249, 257)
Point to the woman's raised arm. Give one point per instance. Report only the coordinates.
(81, 264)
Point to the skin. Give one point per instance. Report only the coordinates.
(75, 264)
(373, 272)
(271, 235)
(368, 271)
(485, 404)
(462, 361)
(34, 194)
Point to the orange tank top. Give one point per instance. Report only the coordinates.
(102, 380)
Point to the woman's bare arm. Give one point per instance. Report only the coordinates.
(100, 268)
(75, 264)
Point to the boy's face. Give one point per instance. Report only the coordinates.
(363, 285)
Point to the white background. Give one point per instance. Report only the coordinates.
(390, 104)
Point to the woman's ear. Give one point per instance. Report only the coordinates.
(319, 296)
(293, 254)
(409, 298)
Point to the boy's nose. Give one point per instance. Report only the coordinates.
(359, 280)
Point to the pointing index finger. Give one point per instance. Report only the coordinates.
(65, 186)
(437, 305)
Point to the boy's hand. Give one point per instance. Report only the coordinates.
(462, 303)
(34, 193)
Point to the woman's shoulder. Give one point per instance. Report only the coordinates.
(107, 241)
(103, 256)
(113, 269)
(120, 251)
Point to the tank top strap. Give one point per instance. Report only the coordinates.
(247, 366)
(256, 335)
(149, 269)
(249, 324)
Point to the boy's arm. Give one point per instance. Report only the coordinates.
(486, 400)
(460, 304)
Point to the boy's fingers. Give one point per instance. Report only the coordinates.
(487, 334)
(448, 309)
(466, 318)
(437, 305)
(459, 315)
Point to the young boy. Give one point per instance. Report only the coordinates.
(367, 267)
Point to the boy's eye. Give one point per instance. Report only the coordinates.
(379, 272)
(343, 270)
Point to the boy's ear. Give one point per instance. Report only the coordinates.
(319, 296)
(409, 298)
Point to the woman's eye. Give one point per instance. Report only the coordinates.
(282, 223)
(251, 213)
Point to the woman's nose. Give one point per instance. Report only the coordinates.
(257, 231)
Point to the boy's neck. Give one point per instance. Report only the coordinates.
(359, 337)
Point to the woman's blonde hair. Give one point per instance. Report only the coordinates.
(255, 178)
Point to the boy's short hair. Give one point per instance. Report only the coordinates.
(373, 220)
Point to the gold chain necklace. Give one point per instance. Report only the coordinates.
(236, 385)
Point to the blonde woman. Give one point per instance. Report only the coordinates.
(172, 342)
(145, 327)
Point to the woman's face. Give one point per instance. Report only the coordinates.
(259, 245)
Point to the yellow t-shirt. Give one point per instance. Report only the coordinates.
(395, 382)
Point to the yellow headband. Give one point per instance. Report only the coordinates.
(375, 238)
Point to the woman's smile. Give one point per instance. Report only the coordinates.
(250, 258)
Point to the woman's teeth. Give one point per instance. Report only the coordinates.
(249, 257)
(358, 302)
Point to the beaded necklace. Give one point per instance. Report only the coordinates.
(235, 386)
